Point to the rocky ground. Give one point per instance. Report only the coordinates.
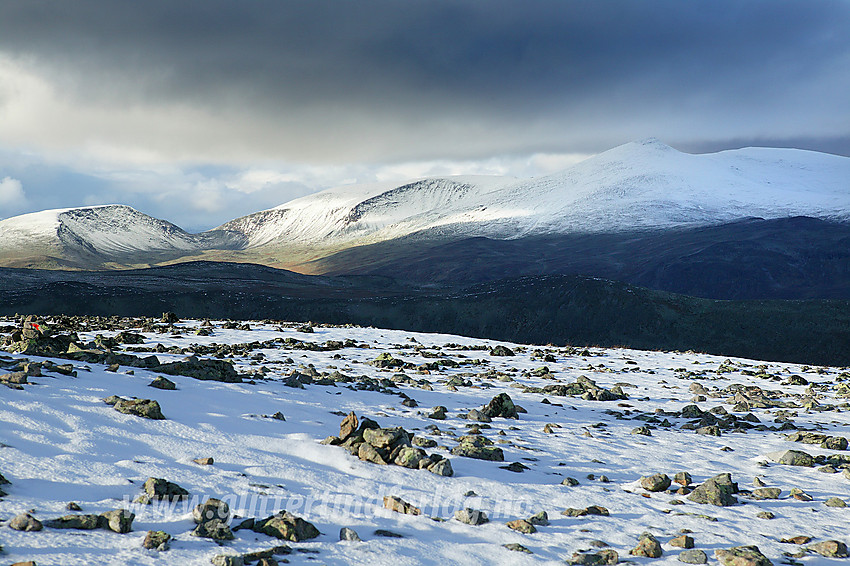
(144, 441)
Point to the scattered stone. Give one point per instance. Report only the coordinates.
(349, 534)
(572, 482)
(540, 519)
(693, 556)
(647, 546)
(471, 516)
(802, 539)
(501, 351)
(517, 467)
(683, 478)
(163, 383)
(157, 540)
(682, 541)
(606, 556)
(348, 427)
(478, 447)
(835, 502)
(25, 522)
(765, 515)
(521, 526)
(500, 406)
(766, 493)
(227, 560)
(368, 453)
(516, 547)
(160, 489)
(284, 525)
(747, 555)
(655, 482)
(441, 468)
(204, 461)
(478, 416)
(438, 413)
(399, 505)
(800, 495)
(716, 491)
(147, 408)
(830, 549)
(213, 529)
(387, 534)
(119, 521)
(791, 458)
(642, 430)
(591, 510)
(211, 509)
(82, 522)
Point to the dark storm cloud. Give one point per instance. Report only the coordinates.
(422, 80)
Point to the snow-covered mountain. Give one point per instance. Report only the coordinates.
(638, 185)
(115, 233)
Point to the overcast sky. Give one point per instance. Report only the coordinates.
(198, 112)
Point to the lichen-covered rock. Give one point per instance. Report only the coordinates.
(383, 437)
(348, 426)
(791, 458)
(213, 529)
(409, 457)
(159, 489)
(591, 510)
(767, 493)
(205, 370)
(501, 406)
(368, 453)
(147, 408)
(82, 522)
(521, 526)
(399, 505)
(163, 383)
(501, 351)
(441, 468)
(693, 556)
(647, 546)
(601, 557)
(478, 447)
(747, 555)
(349, 534)
(227, 560)
(682, 541)
(471, 516)
(119, 521)
(830, 549)
(211, 509)
(286, 526)
(718, 490)
(157, 540)
(655, 482)
(25, 522)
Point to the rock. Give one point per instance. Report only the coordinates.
(501, 406)
(73, 506)
(368, 453)
(835, 502)
(830, 549)
(157, 540)
(683, 478)
(791, 458)
(213, 529)
(501, 351)
(146, 408)
(438, 413)
(647, 546)
(423, 442)
(835, 443)
(478, 416)
(409, 457)
(591, 510)
(211, 509)
(478, 447)
(399, 505)
(83, 522)
(25, 522)
(4, 481)
(163, 383)
(204, 461)
(348, 426)
(765, 515)
(802, 539)
(682, 541)
(655, 482)
(522, 526)
(641, 430)
(748, 555)
(799, 494)
(227, 560)
(286, 526)
(388, 534)
(349, 534)
(517, 467)
(516, 547)
(266, 555)
(158, 489)
(694, 556)
(471, 516)
(606, 556)
(169, 318)
(442, 468)
(204, 370)
(119, 520)
(383, 437)
(572, 482)
(540, 519)
(767, 493)
(715, 491)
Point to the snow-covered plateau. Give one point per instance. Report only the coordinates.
(593, 427)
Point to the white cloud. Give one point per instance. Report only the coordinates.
(11, 192)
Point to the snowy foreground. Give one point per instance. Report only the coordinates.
(61, 443)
